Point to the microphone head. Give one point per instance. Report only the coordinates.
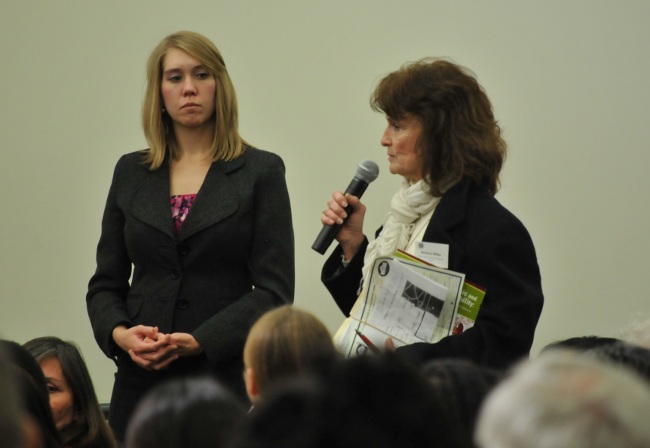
(367, 170)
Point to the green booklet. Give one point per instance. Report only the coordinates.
(471, 298)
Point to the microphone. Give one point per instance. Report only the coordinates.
(367, 171)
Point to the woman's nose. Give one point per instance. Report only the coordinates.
(189, 87)
(385, 138)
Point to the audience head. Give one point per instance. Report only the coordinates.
(580, 343)
(461, 387)
(185, 413)
(564, 400)
(631, 356)
(376, 401)
(11, 410)
(74, 404)
(460, 136)
(40, 430)
(284, 342)
(156, 122)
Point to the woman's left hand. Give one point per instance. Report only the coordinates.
(185, 344)
(178, 344)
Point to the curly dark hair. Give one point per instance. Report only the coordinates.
(460, 138)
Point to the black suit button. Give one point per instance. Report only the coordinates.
(183, 250)
(175, 273)
(182, 304)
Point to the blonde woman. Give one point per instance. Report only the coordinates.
(197, 237)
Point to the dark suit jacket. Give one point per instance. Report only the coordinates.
(233, 260)
(494, 250)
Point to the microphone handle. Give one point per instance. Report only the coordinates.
(327, 234)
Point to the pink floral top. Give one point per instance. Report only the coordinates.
(181, 205)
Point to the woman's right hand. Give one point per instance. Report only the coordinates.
(147, 347)
(350, 236)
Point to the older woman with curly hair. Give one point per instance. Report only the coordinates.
(443, 139)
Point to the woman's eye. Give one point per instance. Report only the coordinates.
(174, 78)
(51, 388)
(203, 75)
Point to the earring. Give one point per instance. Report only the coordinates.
(164, 111)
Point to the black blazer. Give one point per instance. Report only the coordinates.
(233, 260)
(494, 250)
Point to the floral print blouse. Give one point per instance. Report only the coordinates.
(181, 205)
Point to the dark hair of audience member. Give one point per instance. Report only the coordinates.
(580, 343)
(188, 412)
(32, 389)
(377, 401)
(89, 427)
(461, 386)
(632, 356)
(11, 412)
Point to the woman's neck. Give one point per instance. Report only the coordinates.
(194, 143)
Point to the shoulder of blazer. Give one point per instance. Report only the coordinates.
(453, 205)
(131, 167)
(254, 158)
(454, 209)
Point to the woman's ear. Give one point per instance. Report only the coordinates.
(251, 384)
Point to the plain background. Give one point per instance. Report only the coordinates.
(569, 81)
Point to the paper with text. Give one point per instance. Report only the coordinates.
(405, 300)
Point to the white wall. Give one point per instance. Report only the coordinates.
(568, 79)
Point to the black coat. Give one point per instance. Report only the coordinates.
(494, 250)
(233, 260)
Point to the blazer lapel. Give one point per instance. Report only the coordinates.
(450, 212)
(150, 201)
(216, 200)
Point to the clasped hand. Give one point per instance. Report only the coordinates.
(153, 350)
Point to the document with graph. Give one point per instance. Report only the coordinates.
(405, 299)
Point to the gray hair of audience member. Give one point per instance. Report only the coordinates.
(637, 330)
(190, 412)
(564, 400)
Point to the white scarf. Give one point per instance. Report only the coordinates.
(408, 205)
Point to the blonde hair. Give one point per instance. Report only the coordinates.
(287, 341)
(227, 143)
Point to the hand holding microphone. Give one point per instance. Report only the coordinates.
(338, 208)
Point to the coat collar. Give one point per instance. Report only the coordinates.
(449, 213)
(216, 200)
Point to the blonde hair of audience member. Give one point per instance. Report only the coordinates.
(284, 342)
(562, 399)
(227, 143)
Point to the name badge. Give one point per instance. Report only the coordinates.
(434, 253)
